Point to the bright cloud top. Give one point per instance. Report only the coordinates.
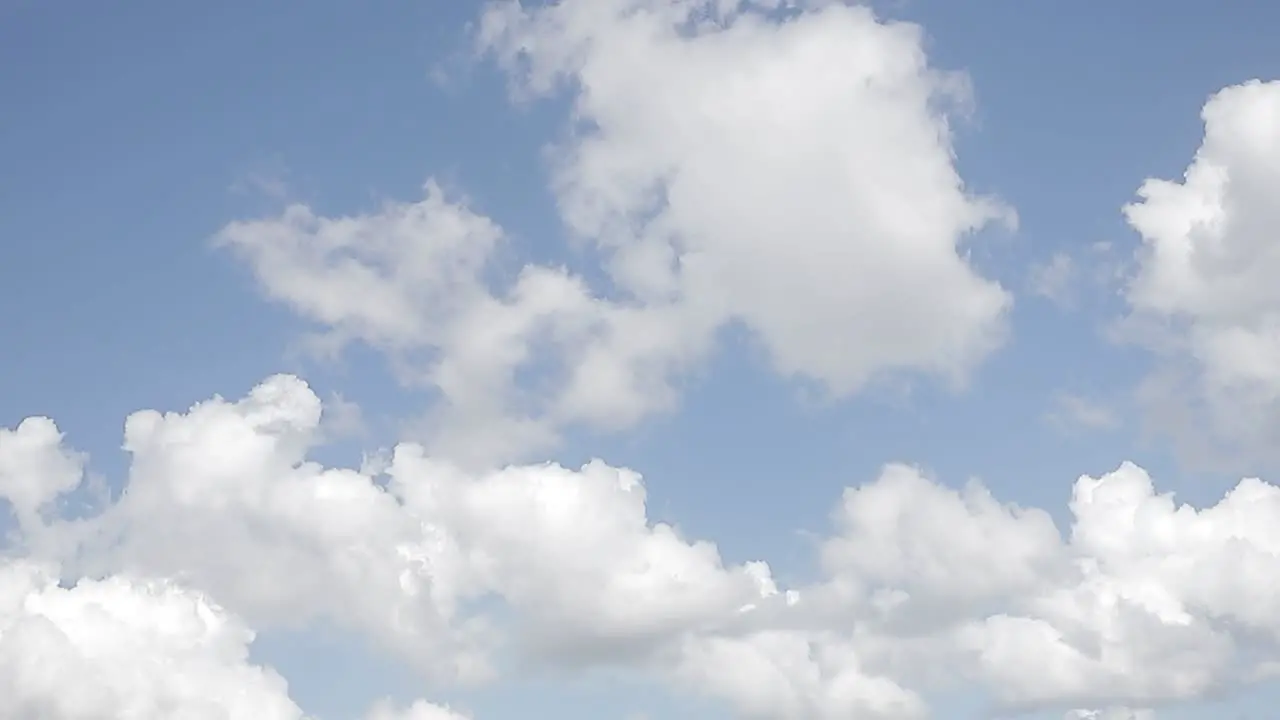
(135, 650)
(793, 178)
(1208, 267)
(1144, 601)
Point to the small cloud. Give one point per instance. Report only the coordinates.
(1111, 713)
(1054, 280)
(1071, 410)
(268, 180)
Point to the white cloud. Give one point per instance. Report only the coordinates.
(34, 470)
(413, 280)
(928, 586)
(418, 710)
(127, 648)
(795, 177)
(222, 497)
(1206, 272)
(887, 536)
(787, 674)
(576, 554)
(1143, 602)
(388, 278)
(123, 649)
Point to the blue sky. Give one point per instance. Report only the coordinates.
(133, 134)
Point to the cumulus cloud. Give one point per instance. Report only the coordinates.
(1142, 601)
(34, 469)
(129, 648)
(222, 496)
(729, 166)
(1204, 286)
(768, 171)
(126, 650)
(414, 280)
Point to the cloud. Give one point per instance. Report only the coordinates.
(419, 710)
(34, 470)
(796, 176)
(460, 574)
(127, 648)
(413, 280)
(222, 497)
(1070, 410)
(723, 173)
(1204, 289)
(1055, 280)
(1112, 713)
(785, 674)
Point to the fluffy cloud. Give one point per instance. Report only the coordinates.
(222, 497)
(125, 650)
(1143, 602)
(34, 470)
(888, 537)
(774, 674)
(576, 554)
(794, 176)
(768, 171)
(1206, 272)
(413, 280)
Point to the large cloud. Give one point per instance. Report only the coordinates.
(795, 177)
(222, 497)
(1206, 274)
(1143, 602)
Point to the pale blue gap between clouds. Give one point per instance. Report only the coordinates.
(125, 130)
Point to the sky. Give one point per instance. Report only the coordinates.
(639, 360)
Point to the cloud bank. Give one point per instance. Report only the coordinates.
(1140, 601)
